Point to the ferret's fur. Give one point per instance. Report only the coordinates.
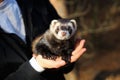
(57, 41)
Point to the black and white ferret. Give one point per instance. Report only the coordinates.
(57, 41)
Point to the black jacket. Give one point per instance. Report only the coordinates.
(15, 54)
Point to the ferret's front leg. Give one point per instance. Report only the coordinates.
(43, 50)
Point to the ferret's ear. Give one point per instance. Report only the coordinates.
(74, 23)
(52, 25)
(53, 22)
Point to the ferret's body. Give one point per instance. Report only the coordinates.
(57, 41)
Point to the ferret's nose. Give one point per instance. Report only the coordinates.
(63, 33)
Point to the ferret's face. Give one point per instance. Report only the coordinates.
(63, 29)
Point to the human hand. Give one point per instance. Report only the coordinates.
(79, 50)
(45, 63)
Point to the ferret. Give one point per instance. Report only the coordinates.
(57, 41)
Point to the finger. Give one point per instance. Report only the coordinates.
(55, 64)
(59, 64)
(79, 47)
(81, 44)
(46, 63)
(77, 56)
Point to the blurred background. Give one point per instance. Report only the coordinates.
(99, 23)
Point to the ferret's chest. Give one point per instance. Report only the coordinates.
(61, 47)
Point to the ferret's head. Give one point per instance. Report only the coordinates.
(63, 29)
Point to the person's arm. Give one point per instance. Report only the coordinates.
(25, 72)
(13, 63)
(79, 50)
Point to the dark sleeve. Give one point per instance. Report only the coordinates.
(11, 71)
(67, 68)
(25, 72)
(9, 67)
(42, 14)
(14, 65)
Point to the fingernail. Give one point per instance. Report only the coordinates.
(62, 62)
(85, 49)
(83, 40)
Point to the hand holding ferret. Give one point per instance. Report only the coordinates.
(45, 63)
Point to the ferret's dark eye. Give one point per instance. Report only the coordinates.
(57, 30)
(69, 29)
